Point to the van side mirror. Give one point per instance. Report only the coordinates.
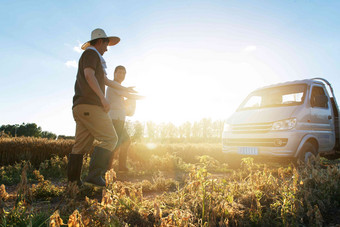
(320, 101)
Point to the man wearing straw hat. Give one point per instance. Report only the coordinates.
(90, 111)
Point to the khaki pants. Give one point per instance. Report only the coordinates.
(93, 123)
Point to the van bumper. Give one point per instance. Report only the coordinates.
(267, 144)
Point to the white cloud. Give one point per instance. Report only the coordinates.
(78, 48)
(250, 48)
(71, 64)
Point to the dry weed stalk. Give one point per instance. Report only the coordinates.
(75, 220)
(110, 177)
(55, 219)
(72, 190)
(24, 192)
(157, 212)
(3, 198)
(3, 194)
(107, 198)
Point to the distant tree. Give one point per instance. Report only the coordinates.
(168, 130)
(172, 131)
(29, 129)
(196, 130)
(163, 131)
(63, 137)
(3, 134)
(138, 131)
(129, 127)
(206, 127)
(135, 129)
(181, 131)
(10, 129)
(187, 129)
(218, 128)
(151, 130)
(48, 135)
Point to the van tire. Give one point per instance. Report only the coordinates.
(308, 151)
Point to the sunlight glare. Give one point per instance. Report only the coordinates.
(188, 88)
(151, 146)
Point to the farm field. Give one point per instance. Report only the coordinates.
(167, 185)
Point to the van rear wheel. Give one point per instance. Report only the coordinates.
(307, 153)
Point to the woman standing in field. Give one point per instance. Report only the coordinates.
(120, 108)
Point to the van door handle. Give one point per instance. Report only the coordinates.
(329, 117)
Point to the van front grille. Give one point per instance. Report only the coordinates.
(251, 128)
(255, 142)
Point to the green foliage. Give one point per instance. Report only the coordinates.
(63, 137)
(26, 129)
(48, 135)
(11, 174)
(20, 215)
(54, 168)
(44, 189)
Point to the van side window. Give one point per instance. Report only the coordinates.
(316, 91)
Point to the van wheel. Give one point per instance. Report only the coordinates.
(307, 153)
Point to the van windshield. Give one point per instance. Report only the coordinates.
(288, 95)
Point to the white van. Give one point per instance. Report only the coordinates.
(295, 119)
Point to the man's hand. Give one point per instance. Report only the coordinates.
(131, 90)
(106, 105)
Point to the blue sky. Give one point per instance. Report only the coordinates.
(192, 59)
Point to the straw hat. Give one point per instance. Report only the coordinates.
(99, 33)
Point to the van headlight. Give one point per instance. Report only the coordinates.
(284, 124)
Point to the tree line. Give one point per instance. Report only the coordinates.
(205, 130)
(28, 130)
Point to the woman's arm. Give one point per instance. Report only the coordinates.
(116, 85)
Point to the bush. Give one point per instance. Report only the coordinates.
(11, 174)
(54, 168)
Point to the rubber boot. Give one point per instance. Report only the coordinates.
(98, 166)
(75, 163)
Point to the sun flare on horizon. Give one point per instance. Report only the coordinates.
(187, 88)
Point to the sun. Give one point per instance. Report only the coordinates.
(188, 88)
